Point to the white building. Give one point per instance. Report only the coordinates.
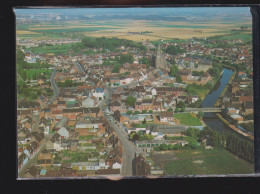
(88, 103)
(63, 132)
(116, 165)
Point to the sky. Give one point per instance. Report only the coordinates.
(141, 11)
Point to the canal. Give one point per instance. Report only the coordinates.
(210, 100)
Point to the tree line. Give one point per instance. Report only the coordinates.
(111, 44)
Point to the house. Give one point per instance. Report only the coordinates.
(116, 105)
(40, 81)
(88, 102)
(248, 107)
(32, 172)
(63, 132)
(24, 136)
(116, 165)
(166, 116)
(38, 137)
(236, 117)
(45, 158)
(103, 164)
(55, 143)
(145, 104)
(242, 75)
(85, 166)
(169, 130)
(108, 172)
(99, 93)
(185, 74)
(31, 149)
(22, 160)
(192, 99)
(116, 97)
(245, 99)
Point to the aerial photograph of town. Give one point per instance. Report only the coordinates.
(134, 92)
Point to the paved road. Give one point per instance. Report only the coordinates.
(79, 67)
(54, 86)
(35, 125)
(129, 149)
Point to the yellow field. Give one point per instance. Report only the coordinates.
(157, 33)
(67, 27)
(26, 32)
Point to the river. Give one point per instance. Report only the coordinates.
(210, 100)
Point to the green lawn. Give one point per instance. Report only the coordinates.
(31, 72)
(188, 119)
(52, 49)
(200, 90)
(204, 162)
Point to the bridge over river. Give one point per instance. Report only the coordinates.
(205, 109)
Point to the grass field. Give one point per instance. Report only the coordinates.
(206, 162)
(52, 49)
(195, 89)
(188, 119)
(31, 72)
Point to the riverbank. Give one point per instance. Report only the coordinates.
(234, 128)
(229, 81)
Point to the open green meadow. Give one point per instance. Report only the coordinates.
(31, 73)
(206, 162)
(187, 119)
(52, 49)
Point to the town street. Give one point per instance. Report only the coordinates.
(54, 86)
(129, 149)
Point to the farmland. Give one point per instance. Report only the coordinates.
(203, 162)
(166, 30)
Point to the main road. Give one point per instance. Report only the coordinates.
(54, 86)
(129, 148)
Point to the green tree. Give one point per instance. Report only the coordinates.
(179, 79)
(144, 111)
(193, 132)
(137, 112)
(170, 109)
(174, 70)
(128, 58)
(177, 146)
(200, 115)
(130, 101)
(144, 121)
(129, 112)
(170, 147)
(163, 147)
(150, 111)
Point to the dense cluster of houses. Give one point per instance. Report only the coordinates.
(28, 43)
(69, 127)
(238, 99)
(74, 123)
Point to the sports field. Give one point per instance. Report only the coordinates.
(203, 162)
